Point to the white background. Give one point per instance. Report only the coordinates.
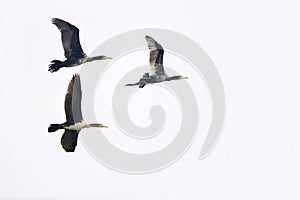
(255, 46)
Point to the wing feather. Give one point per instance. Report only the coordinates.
(156, 56)
(69, 38)
(73, 101)
(69, 140)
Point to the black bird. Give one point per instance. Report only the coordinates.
(156, 64)
(73, 51)
(74, 122)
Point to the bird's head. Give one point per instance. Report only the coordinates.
(176, 78)
(102, 126)
(106, 58)
(182, 77)
(98, 126)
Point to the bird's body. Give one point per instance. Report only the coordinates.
(72, 47)
(74, 121)
(77, 126)
(156, 64)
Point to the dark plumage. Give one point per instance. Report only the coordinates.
(156, 64)
(74, 121)
(71, 43)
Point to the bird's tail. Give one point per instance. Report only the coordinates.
(55, 65)
(54, 127)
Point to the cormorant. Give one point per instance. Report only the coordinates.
(72, 48)
(74, 121)
(156, 64)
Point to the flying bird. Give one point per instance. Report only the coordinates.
(72, 48)
(74, 121)
(156, 64)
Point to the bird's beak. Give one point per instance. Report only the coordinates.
(102, 126)
(181, 78)
(106, 58)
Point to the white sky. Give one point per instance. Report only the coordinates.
(254, 44)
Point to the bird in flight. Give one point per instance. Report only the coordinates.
(156, 64)
(74, 121)
(72, 48)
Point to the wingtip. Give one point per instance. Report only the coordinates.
(148, 37)
(69, 150)
(56, 20)
(76, 75)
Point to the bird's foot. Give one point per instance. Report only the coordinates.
(55, 66)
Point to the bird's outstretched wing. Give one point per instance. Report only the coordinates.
(73, 100)
(69, 140)
(69, 38)
(156, 56)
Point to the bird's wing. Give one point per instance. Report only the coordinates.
(73, 100)
(69, 140)
(156, 56)
(69, 38)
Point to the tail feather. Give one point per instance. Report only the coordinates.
(54, 127)
(55, 65)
